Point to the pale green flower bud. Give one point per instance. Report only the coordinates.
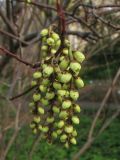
(57, 85)
(55, 109)
(64, 64)
(32, 125)
(33, 83)
(75, 67)
(44, 32)
(79, 83)
(50, 41)
(45, 102)
(41, 110)
(63, 114)
(36, 97)
(66, 104)
(79, 56)
(44, 48)
(55, 36)
(75, 120)
(42, 88)
(50, 95)
(74, 95)
(47, 71)
(69, 129)
(35, 131)
(73, 141)
(50, 120)
(64, 78)
(74, 133)
(77, 108)
(36, 119)
(37, 75)
(54, 134)
(61, 124)
(65, 51)
(63, 138)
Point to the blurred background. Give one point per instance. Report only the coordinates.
(93, 27)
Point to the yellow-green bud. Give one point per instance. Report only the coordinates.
(74, 133)
(37, 75)
(77, 108)
(64, 78)
(44, 101)
(61, 124)
(32, 125)
(45, 129)
(75, 120)
(45, 82)
(67, 94)
(42, 88)
(57, 85)
(65, 51)
(74, 95)
(44, 48)
(65, 86)
(50, 120)
(33, 83)
(28, 1)
(75, 67)
(40, 127)
(48, 71)
(55, 109)
(62, 58)
(66, 145)
(79, 56)
(35, 131)
(50, 95)
(36, 119)
(41, 110)
(67, 43)
(66, 104)
(73, 141)
(58, 43)
(36, 97)
(59, 98)
(54, 134)
(63, 114)
(53, 51)
(44, 32)
(64, 64)
(69, 129)
(63, 138)
(44, 39)
(55, 36)
(50, 41)
(31, 104)
(79, 83)
(61, 92)
(59, 131)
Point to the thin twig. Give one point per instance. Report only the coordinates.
(22, 94)
(17, 58)
(13, 36)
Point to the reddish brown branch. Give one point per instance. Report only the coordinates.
(18, 59)
(61, 15)
(22, 94)
(13, 36)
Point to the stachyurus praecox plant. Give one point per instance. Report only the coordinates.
(54, 108)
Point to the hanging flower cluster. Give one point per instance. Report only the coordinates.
(54, 108)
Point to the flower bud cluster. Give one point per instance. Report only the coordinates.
(54, 108)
